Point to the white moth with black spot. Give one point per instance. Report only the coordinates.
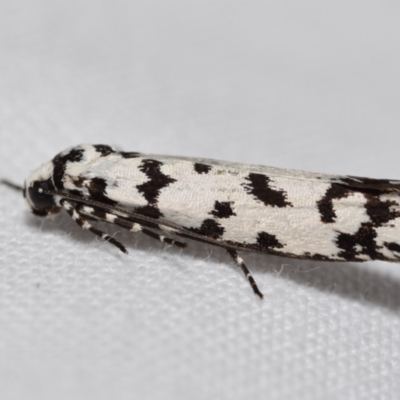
(235, 206)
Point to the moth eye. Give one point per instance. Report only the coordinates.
(40, 201)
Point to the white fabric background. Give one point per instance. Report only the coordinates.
(301, 85)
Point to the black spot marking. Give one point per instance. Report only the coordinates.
(259, 188)
(315, 256)
(75, 192)
(97, 190)
(223, 209)
(202, 168)
(325, 205)
(379, 211)
(79, 181)
(149, 211)
(267, 241)
(60, 163)
(363, 238)
(370, 185)
(131, 154)
(103, 149)
(393, 246)
(157, 180)
(75, 155)
(209, 228)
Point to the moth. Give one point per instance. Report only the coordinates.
(236, 206)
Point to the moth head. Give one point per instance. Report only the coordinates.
(36, 190)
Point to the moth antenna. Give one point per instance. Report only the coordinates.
(11, 185)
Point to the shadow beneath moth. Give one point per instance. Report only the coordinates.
(239, 207)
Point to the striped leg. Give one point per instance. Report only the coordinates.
(239, 261)
(127, 224)
(80, 219)
(162, 238)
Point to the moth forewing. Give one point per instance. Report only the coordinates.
(236, 206)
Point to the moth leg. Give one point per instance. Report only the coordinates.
(85, 224)
(239, 261)
(162, 238)
(129, 225)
